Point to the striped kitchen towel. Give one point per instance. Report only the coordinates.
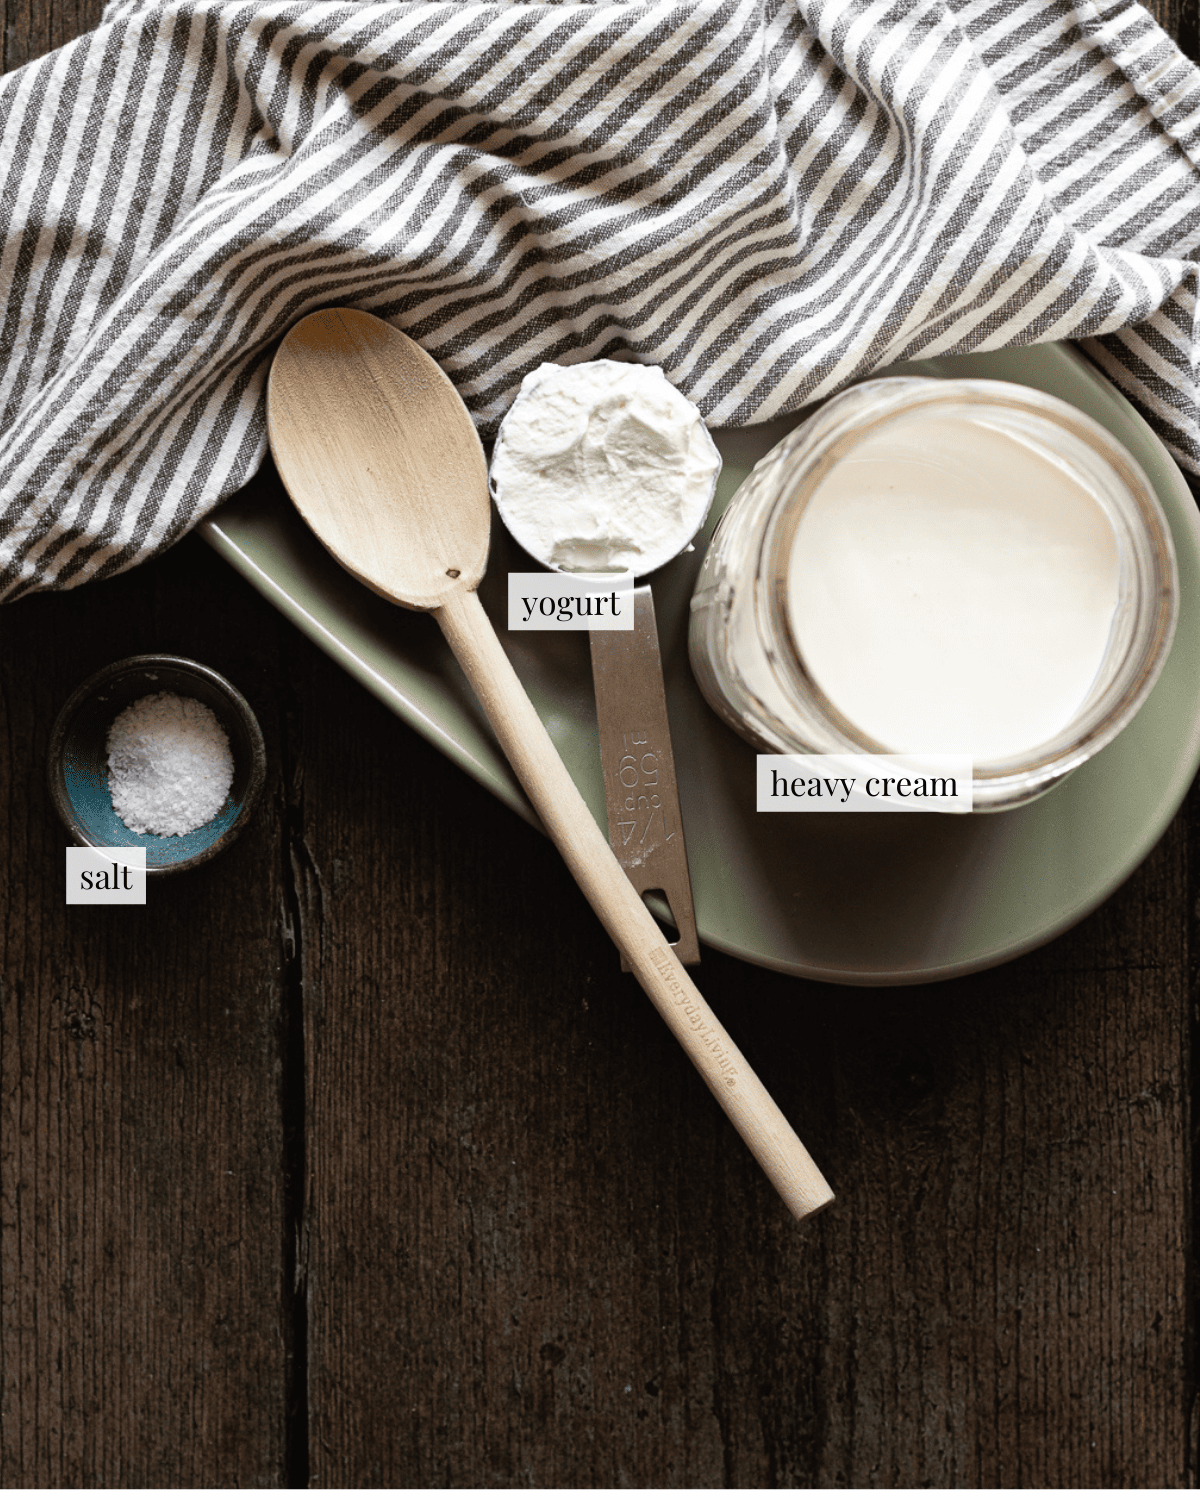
(768, 198)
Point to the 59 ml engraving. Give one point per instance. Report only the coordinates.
(640, 799)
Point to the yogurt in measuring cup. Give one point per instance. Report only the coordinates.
(603, 467)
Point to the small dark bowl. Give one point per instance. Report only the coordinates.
(79, 759)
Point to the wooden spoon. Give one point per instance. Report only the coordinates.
(382, 460)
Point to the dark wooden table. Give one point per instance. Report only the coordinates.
(352, 1159)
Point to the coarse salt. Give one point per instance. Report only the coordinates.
(169, 764)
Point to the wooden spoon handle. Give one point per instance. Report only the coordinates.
(570, 824)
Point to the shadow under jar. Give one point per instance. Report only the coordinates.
(1037, 561)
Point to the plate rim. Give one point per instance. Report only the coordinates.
(499, 781)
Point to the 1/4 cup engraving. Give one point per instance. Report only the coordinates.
(643, 820)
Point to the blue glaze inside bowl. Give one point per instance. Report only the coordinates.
(88, 789)
(79, 758)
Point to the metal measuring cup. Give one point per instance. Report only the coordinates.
(645, 824)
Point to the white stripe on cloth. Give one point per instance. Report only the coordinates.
(767, 199)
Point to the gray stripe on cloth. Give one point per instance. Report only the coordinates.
(768, 198)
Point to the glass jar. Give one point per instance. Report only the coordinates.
(742, 640)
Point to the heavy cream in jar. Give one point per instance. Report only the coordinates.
(952, 587)
(957, 567)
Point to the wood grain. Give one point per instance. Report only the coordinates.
(143, 1337)
(380, 456)
(364, 1164)
(31, 28)
(593, 1290)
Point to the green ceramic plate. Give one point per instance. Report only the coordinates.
(895, 899)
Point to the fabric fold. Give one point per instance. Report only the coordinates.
(769, 200)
